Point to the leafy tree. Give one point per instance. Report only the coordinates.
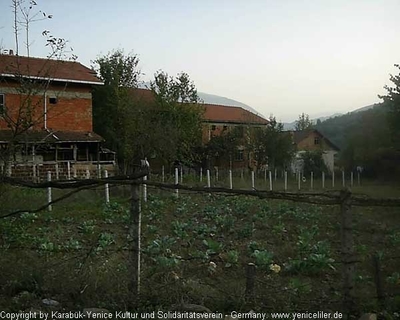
(221, 148)
(392, 100)
(179, 111)
(113, 114)
(271, 145)
(164, 123)
(303, 123)
(313, 162)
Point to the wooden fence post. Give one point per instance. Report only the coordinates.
(134, 233)
(162, 174)
(216, 174)
(201, 174)
(181, 174)
(333, 178)
(250, 280)
(230, 180)
(252, 181)
(347, 252)
(208, 179)
(378, 281)
(323, 180)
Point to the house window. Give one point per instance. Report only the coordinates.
(239, 155)
(52, 100)
(2, 103)
(316, 140)
(213, 127)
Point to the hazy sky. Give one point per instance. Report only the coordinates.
(281, 57)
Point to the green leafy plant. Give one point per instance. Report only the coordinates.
(232, 258)
(263, 258)
(213, 247)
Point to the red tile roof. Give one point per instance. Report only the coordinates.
(67, 71)
(229, 114)
(213, 112)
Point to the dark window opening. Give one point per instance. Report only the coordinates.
(239, 155)
(52, 100)
(213, 127)
(316, 140)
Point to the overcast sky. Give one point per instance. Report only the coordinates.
(281, 57)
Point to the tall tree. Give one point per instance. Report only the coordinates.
(271, 145)
(113, 114)
(392, 100)
(303, 123)
(180, 113)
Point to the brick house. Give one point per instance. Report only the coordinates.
(313, 140)
(46, 115)
(219, 119)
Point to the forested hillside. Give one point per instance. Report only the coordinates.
(365, 139)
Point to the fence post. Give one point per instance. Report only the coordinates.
(106, 188)
(144, 189)
(230, 180)
(298, 180)
(285, 180)
(57, 172)
(216, 174)
(162, 174)
(265, 175)
(275, 175)
(87, 174)
(252, 181)
(312, 180)
(33, 169)
(333, 178)
(181, 174)
(358, 178)
(50, 208)
(68, 170)
(351, 178)
(343, 180)
(208, 179)
(250, 280)
(201, 174)
(270, 180)
(75, 174)
(347, 252)
(176, 181)
(323, 180)
(98, 171)
(134, 233)
(378, 281)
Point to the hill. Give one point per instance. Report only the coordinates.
(340, 128)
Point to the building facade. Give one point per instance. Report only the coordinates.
(46, 119)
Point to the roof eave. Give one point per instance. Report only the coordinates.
(53, 79)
